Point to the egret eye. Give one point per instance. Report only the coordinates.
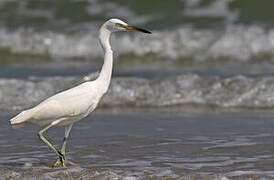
(119, 25)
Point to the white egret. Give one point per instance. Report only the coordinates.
(69, 106)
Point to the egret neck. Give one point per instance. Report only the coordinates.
(106, 71)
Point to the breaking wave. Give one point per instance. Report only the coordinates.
(182, 90)
(237, 43)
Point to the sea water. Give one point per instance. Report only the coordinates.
(193, 100)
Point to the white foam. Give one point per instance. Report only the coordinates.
(250, 172)
(236, 91)
(237, 42)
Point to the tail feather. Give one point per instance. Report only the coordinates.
(21, 117)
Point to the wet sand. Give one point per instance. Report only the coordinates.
(146, 145)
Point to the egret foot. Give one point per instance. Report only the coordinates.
(60, 162)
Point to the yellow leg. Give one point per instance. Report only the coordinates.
(61, 160)
(61, 156)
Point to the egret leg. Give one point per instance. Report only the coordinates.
(40, 135)
(63, 150)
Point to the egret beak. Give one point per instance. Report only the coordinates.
(136, 29)
(133, 28)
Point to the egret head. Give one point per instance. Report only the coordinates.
(114, 25)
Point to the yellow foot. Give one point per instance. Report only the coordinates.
(60, 162)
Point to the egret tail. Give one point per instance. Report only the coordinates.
(22, 117)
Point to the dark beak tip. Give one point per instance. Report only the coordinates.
(141, 30)
(145, 31)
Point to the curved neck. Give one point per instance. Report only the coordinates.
(106, 71)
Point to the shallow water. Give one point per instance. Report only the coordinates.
(147, 145)
(193, 100)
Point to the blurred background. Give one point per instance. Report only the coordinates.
(193, 100)
(216, 53)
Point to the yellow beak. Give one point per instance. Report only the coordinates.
(136, 29)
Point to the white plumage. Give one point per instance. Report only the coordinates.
(69, 106)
